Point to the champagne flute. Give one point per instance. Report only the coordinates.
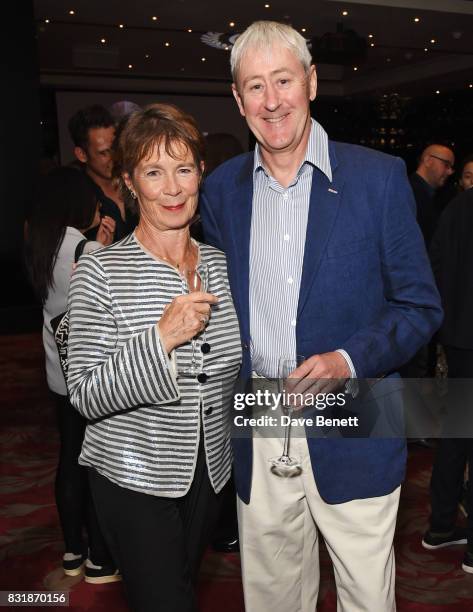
(285, 465)
(194, 279)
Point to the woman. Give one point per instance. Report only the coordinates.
(66, 207)
(157, 443)
(466, 175)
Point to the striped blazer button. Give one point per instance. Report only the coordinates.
(208, 410)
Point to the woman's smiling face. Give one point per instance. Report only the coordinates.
(167, 187)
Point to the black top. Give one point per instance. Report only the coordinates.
(427, 210)
(452, 261)
(110, 209)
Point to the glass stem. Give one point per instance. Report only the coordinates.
(286, 440)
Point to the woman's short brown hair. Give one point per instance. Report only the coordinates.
(147, 128)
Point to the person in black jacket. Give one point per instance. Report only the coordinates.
(92, 130)
(435, 166)
(452, 262)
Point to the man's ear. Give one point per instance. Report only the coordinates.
(312, 83)
(80, 154)
(238, 99)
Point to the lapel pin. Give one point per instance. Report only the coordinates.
(332, 190)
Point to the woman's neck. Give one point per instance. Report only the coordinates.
(173, 246)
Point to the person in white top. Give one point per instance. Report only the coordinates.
(65, 208)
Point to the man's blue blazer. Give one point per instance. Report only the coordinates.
(367, 288)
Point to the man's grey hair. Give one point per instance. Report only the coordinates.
(266, 35)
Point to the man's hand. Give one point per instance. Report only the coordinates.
(319, 374)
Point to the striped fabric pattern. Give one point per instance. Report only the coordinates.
(278, 236)
(145, 418)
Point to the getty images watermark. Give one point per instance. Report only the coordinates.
(284, 402)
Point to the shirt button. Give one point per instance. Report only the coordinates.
(208, 410)
(202, 377)
(290, 280)
(286, 237)
(285, 195)
(293, 322)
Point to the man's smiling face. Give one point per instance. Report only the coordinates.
(273, 92)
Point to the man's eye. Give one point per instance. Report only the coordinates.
(152, 173)
(284, 81)
(256, 87)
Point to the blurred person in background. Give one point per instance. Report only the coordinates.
(435, 167)
(92, 130)
(65, 209)
(466, 175)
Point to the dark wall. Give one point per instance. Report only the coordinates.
(19, 141)
(399, 125)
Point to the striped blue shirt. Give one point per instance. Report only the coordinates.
(277, 241)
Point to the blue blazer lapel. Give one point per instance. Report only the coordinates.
(325, 197)
(241, 239)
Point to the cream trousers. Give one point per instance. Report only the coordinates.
(279, 535)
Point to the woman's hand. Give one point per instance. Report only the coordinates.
(184, 317)
(106, 231)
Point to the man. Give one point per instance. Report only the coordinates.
(325, 260)
(452, 262)
(435, 166)
(92, 130)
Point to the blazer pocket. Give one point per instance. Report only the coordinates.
(342, 249)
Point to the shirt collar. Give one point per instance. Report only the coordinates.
(316, 153)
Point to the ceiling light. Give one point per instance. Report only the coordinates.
(433, 41)
(355, 68)
(303, 30)
(437, 92)
(388, 59)
(130, 66)
(154, 18)
(470, 85)
(203, 59)
(344, 13)
(232, 24)
(371, 44)
(189, 30)
(147, 56)
(166, 44)
(71, 12)
(103, 41)
(370, 36)
(416, 19)
(266, 6)
(425, 49)
(121, 26)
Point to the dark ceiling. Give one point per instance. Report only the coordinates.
(82, 44)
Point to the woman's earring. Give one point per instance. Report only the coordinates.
(133, 194)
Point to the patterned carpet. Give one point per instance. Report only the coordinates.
(30, 539)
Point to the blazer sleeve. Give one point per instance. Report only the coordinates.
(412, 311)
(210, 226)
(104, 378)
